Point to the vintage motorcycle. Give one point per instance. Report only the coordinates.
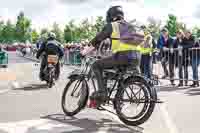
(50, 70)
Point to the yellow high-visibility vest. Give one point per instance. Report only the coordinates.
(148, 50)
(117, 45)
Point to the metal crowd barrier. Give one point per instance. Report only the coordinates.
(72, 57)
(178, 64)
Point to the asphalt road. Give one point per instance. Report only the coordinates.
(27, 106)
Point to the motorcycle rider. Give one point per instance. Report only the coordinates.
(125, 41)
(50, 47)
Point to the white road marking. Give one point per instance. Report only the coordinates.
(169, 123)
(11, 85)
(15, 85)
(4, 91)
(105, 131)
(4, 70)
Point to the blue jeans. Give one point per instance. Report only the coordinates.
(195, 64)
(146, 65)
(183, 64)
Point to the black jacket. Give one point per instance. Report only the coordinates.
(187, 44)
(104, 34)
(178, 52)
(195, 53)
(168, 44)
(50, 47)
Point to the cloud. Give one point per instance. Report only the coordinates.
(197, 12)
(31, 8)
(74, 1)
(45, 12)
(96, 1)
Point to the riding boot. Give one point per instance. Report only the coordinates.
(97, 98)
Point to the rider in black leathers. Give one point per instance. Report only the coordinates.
(50, 47)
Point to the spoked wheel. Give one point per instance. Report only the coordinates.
(133, 103)
(74, 97)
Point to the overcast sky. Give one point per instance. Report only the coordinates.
(45, 12)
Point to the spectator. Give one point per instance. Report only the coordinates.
(146, 59)
(164, 42)
(187, 43)
(179, 43)
(172, 60)
(154, 54)
(195, 63)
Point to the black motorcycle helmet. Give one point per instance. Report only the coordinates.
(115, 12)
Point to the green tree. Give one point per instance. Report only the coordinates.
(1, 29)
(198, 33)
(23, 28)
(154, 26)
(172, 25)
(85, 28)
(8, 32)
(58, 32)
(69, 31)
(44, 31)
(99, 24)
(181, 26)
(34, 36)
(67, 34)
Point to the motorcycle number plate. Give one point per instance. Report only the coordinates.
(53, 59)
(50, 65)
